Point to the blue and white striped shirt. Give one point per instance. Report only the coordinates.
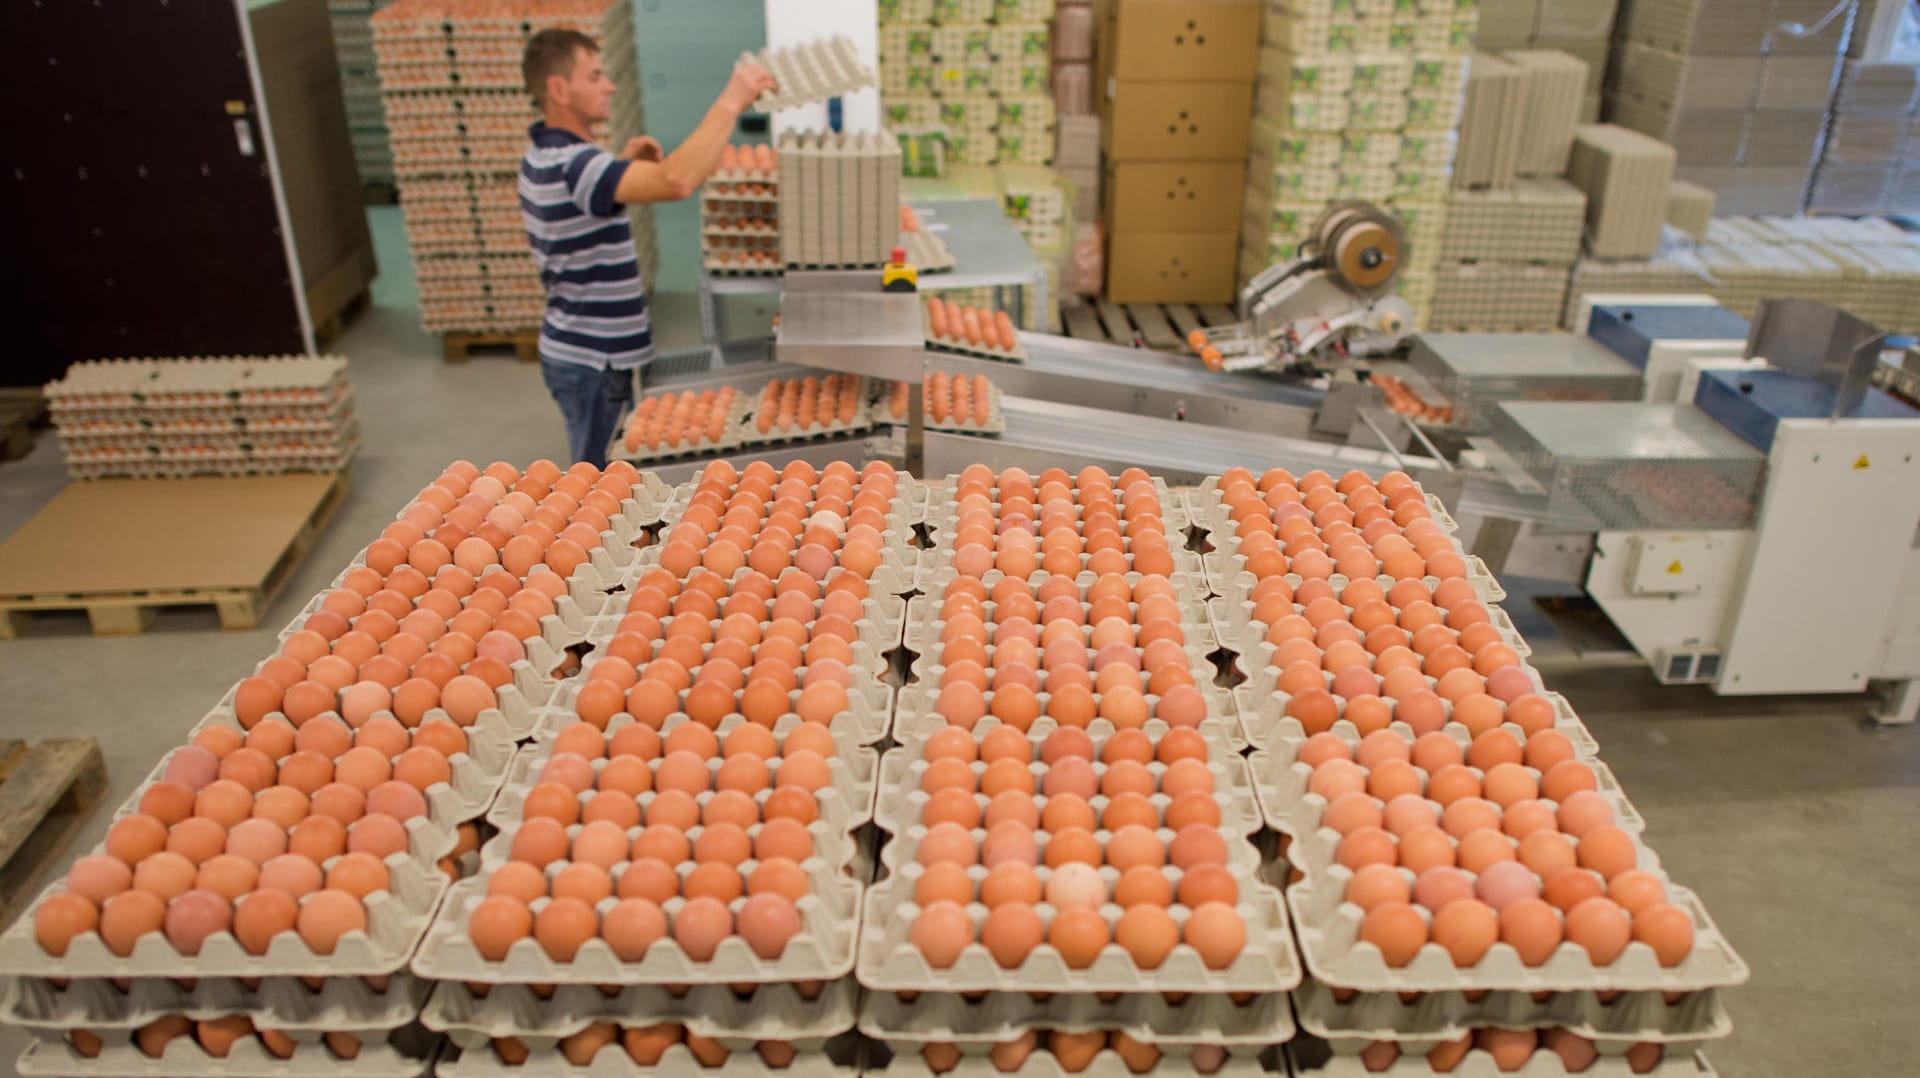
(583, 248)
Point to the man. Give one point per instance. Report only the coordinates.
(596, 333)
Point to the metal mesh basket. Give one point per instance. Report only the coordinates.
(1478, 370)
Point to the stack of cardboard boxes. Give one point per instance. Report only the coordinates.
(1582, 29)
(1176, 94)
(973, 74)
(1739, 87)
(1871, 162)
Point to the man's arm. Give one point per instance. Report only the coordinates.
(682, 172)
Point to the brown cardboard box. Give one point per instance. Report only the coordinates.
(1181, 40)
(1171, 267)
(1175, 121)
(1174, 196)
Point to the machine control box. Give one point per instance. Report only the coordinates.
(1631, 331)
(1671, 564)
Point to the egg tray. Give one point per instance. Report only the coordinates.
(918, 702)
(937, 579)
(823, 950)
(1204, 497)
(282, 1003)
(940, 570)
(1227, 577)
(899, 568)
(840, 1058)
(750, 434)
(888, 962)
(729, 438)
(888, 612)
(605, 570)
(1239, 631)
(1241, 1028)
(944, 519)
(924, 621)
(640, 507)
(943, 491)
(1263, 712)
(901, 770)
(1106, 1063)
(846, 804)
(1329, 933)
(408, 1052)
(396, 918)
(769, 1012)
(880, 411)
(1544, 1063)
(909, 501)
(958, 347)
(1219, 734)
(1446, 1016)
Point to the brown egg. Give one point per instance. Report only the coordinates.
(261, 916)
(326, 916)
(61, 917)
(129, 916)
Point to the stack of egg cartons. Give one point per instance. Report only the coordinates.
(975, 73)
(1068, 882)
(360, 86)
(255, 903)
(155, 418)
(1356, 101)
(458, 112)
(1471, 890)
(676, 880)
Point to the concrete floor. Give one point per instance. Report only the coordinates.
(1793, 818)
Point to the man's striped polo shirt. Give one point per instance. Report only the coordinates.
(583, 248)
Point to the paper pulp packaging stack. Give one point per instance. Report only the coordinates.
(1582, 29)
(360, 86)
(1871, 162)
(1740, 88)
(1868, 266)
(1356, 102)
(458, 111)
(972, 75)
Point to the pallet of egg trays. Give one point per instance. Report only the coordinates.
(668, 425)
(309, 827)
(673, 834)
(227, 416)
(814, 406)
(740, 213)
(810, 72)
(926, 251)
(965, 405)
(839, 199)
(972, 331)
(1451, 799)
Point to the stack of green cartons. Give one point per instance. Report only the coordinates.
(975, 75)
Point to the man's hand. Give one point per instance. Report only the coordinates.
(749, 81)
(641, 148)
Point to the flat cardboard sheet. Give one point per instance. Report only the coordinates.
(119, 535)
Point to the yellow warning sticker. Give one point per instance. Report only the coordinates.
(1861, 463)
(1674, 569)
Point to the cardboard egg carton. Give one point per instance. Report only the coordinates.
(811, 72)
(1544, 1063)
(1624, 1019)
(998, 1017)
(282, 1003)
(846, 802)
(769, 1012)
(396, 919)
(403, 1053)
(823, 950)
(902, 768)
(1106, 1063)
(839, 1058)
(918, 714)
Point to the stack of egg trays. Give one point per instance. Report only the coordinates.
(378, 1012)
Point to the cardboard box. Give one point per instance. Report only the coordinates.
(1171, 267)
(1182, 196)
(1180, 40)
(1175, 121)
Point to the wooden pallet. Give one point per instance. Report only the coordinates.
(1160, 326)
(130, 612)
(460, 347)
(47, 791)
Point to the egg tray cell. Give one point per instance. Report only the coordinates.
(1106, 1063)
(939, 576)
(703, 446)
(839, 1059)
(917, 715)
(1330, 940)
(846, 803)
(822, 951)
(408, 1052)
(396, 918)
(770, 1012)
(998, 1017)
(880, 411)
(959, 347)
(901, 770)
(1544, 1063)
(281, 1003)
(1432, 1017)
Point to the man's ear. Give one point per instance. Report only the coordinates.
(558, 90)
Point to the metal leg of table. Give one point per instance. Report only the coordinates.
(709, 318)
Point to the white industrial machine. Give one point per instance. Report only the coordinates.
(1334, 299)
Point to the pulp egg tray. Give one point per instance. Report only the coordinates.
(943, 493)
(846, 803)
(870, 705)
(1263, 711)
(475, 778)
(902, 769)
(396, 918)
(1280, 782)
(604, 571)
(924, 638)
(960, 346)
(997, 1017)
(769, 1012)
(887, 612)
(283, 1003)
(924, 623)
(749, 433)
(1220, 736)
(839, 1058)
(642, 505)
(1239, 631)
(809, 72)
(889, 962)
(1185, 562)
(698, 446)
(1227, 576)
(823, 950)
(896, 574)
(908, 1062)
(404, 1053)
(918, 713)
(1330, 939)
(1628, 1018)
(881, 411)
(1477, 1063)
(908, 504)
(1211, 512)
(939, 575)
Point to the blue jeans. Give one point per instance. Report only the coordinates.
(590, 401)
